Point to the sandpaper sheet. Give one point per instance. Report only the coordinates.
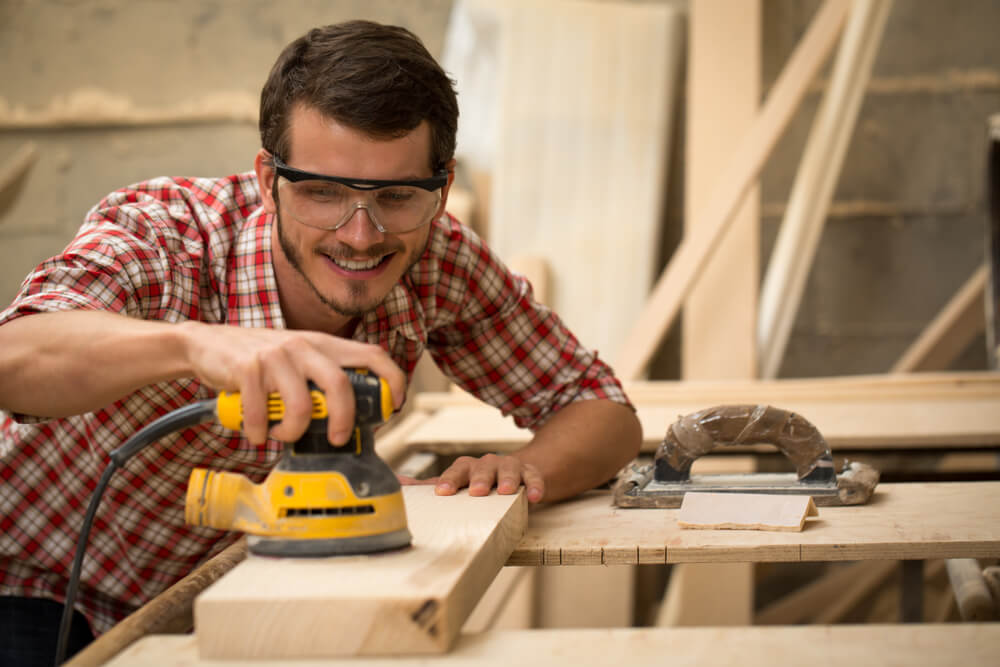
(746, 511)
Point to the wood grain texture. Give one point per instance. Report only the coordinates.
(902, 521)
(409, 601)
(970, 645)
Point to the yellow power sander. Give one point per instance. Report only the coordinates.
(320, 499)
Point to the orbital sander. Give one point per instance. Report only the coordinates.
(320, 499)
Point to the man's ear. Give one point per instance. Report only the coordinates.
(264, 167)
(450, 166)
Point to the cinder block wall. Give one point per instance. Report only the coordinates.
(907, 226)
(908, 220)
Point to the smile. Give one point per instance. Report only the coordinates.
(358, 265)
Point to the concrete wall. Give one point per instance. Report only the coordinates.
(909, 216)
(908, 223)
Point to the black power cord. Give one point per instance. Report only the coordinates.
(189, 415)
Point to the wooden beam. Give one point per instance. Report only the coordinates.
(902, 521)
(912, 645)
(723, 95)
(951, 331)
(732, 185)
(975, 602)
(881, 386)
(410, 601)
(817, 175)
(708, 594)
(846, 423)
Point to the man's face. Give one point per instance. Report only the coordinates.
(352, 269)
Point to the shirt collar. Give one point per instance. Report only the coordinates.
(253, 289)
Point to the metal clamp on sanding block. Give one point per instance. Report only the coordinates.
(664, 482)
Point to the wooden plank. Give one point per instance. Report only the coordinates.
(749, 156)
(845, 424)
(812, 191)
(586, 111)
(911, 645)
(975, 602)
(708, 594)
(902, 521)
(508, 604)
(723, 94)
(943, 385)
(409, 601)
(951, 331)
(720, 312)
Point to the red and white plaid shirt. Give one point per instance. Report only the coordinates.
(200, 249)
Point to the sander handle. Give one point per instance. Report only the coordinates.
(372, 402)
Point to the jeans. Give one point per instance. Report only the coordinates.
(29, 631)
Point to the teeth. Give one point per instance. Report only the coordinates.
(353, 265)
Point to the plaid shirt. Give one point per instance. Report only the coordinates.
(200, 249)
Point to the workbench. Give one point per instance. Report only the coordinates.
(916, 521)
(911, 522)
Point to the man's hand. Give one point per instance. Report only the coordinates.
(103, 356)
(506, 473)
(257, 361)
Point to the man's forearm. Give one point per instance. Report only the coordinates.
(64, 363)
(582, 446)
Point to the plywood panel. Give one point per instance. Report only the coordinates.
(582, 150)
(409, 601)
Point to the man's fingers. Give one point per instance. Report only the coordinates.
(253, 404)
(455, 477)
(534, 483)
(508, 475)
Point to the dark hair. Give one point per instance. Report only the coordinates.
(377, 79)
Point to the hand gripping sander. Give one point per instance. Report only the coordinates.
(320, 499)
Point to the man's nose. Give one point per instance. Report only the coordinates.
(360, 226)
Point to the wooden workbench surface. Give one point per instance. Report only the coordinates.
(968, 645)
(902, 521)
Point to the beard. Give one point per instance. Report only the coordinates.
(359, 300)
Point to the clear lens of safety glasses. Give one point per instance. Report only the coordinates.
(393, 209)
(328, 202)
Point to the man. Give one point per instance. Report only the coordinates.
(336, 251)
